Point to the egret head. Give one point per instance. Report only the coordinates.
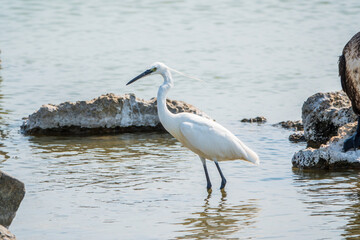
(155, 68)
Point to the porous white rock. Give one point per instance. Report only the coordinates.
(330, 155)
(107, 113)
(323, 114)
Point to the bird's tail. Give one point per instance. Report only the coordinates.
(250, 155)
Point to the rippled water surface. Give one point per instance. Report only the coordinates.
(255, 57)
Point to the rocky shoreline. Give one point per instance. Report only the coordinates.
(327, 119)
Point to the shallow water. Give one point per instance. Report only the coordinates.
(256, 58)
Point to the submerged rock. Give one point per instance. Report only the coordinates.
(106, 114)
(295, 125)
(5, 234)
(260, 119)
(323, 114)
(330, 155)
(12, 192)
(297, 137)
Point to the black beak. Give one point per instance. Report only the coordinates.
(147, 72)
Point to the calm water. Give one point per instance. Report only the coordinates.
(256, 57)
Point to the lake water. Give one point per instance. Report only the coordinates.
(255, 57)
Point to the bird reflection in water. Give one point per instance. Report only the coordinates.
(222, 220)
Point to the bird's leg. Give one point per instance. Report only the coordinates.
(208, 186)
(223, 180)
(354, 140)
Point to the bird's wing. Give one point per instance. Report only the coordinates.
(211, 140)
(342, 72)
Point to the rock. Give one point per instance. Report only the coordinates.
(323, 114)
(106, 114)
(330, 155)
(12, 192)
(295, 125)
(5, 234)
(255, 120)
(328, 121)
(297, 137)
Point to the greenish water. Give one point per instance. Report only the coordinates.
(256, 58)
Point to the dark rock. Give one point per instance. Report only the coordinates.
(294, 125)
(255, 120)
(12, 192)
(5, 234)
(297, 137)
(106, 114)
(323, 114)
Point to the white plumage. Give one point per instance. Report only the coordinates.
(206, 138)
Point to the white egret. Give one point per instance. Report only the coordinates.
(206, 138)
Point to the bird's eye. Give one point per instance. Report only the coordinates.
(154, 69)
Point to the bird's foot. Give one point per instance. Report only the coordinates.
(208, 187)
(223, 183)
(352, 142)
(223, 194)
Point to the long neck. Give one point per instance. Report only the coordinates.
(163, 111)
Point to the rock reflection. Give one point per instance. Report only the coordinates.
(4, 131)
(220, 221)
(134, 144)
(332, 194)
(117, 161)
